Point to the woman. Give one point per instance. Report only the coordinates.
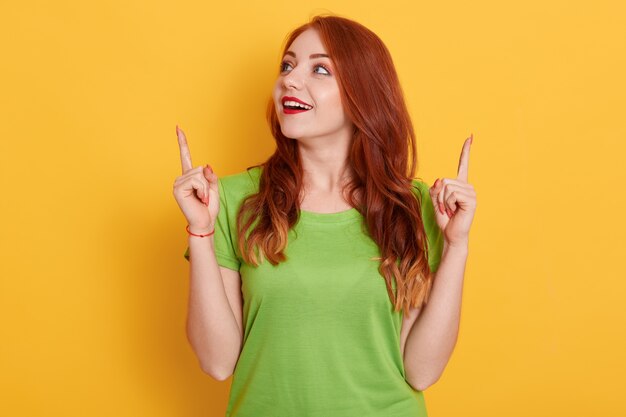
(313, 274)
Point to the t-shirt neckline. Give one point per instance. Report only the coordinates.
(351, 214)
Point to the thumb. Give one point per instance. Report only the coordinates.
(210, 176)
(208, 172)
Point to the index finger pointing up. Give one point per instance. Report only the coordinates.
(462, 173)
(185, 155)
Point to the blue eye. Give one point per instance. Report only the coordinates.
(325, 69)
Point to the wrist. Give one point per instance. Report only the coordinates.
(456, 246)
(206, 231)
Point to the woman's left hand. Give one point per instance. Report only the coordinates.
(455, 202)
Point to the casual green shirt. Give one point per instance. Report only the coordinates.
(321, 338)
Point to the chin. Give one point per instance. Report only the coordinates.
(294, 137)
(290, 133)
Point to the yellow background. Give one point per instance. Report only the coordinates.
(94, 285)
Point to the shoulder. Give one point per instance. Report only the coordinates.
(420, 188)
(241, 183)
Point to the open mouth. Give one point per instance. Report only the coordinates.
(293, 110)
(292, 106)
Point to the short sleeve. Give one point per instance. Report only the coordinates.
(433, 232)
(224, 232)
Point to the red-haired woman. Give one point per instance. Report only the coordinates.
(313, 273)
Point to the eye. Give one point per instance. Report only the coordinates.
(324, 68)
(282, 65)
(327, 71)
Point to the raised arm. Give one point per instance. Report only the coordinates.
(214, 320)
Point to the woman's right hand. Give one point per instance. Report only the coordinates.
(196, 191)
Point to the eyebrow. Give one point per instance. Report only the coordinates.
(293, 54)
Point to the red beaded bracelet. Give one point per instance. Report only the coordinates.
(193, 234)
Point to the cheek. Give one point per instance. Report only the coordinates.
(334, 108)
(329, 100)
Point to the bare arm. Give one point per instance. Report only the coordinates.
(214, 321)
(432, 338)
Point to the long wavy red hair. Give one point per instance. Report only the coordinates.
(382, 157)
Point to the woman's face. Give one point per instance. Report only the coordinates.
(310, 78)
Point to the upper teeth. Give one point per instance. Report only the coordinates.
(295, 103)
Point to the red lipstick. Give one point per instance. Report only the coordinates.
(293, 110)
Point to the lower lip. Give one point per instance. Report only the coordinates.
(293, 111)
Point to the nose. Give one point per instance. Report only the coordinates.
(292, 80)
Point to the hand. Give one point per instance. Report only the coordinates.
(455, 201)
(196, 191)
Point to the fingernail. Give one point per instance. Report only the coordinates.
(210, 169)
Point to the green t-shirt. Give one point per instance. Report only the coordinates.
(321, 338)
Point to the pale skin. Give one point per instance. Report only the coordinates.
(215, 307)
(323, 133)
(430, 333)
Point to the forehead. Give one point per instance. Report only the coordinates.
(308, 42)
